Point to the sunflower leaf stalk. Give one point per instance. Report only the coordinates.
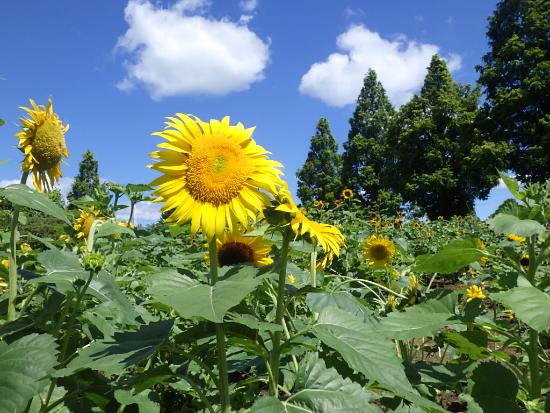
(313, 264)
(275, 353)
(223, 381)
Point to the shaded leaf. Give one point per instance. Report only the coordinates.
(509, 224)
(494, 388)
(449, 259)
(20, 194)
(529, 304)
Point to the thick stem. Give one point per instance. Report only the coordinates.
(275, 356)
(534, 365)
(223, 382)
(132, 205)
(313, 265)
(12, 279)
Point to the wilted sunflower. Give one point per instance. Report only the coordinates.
(378, 251)
(85, 221)
(240, 249)
(347, 193)
(214, 174)
(42, 140)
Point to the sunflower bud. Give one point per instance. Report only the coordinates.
(93, 262)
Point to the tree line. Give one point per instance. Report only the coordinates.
(440, 151)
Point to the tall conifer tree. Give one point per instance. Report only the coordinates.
(366, 157)
(516, 78)
(442, 162)
(319, 178)
(87, 181)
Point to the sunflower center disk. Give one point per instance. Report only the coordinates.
(216, 172)
(379, 252)
(48, 145)
(233, 253)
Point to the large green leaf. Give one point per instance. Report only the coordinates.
(20, 194)
(191, 298)
(418, 321)
(512, 185)
(110, 228)
(343, 300)
(112, 355)
(509, 224)
(451, 258)
(23, 365)
(368, 352)
(529, 304)
(144, 403)
(494, 388)
(319, 389)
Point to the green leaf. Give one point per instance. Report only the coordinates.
(469, 343)
(451, 258)
(252, 322)
(509, 224)
(421, 320)
(512, 185)
(24, 364)
(191, 298)
(2, 122)
(112, 355)
(319, 389)
(144, 403)
(110, 228)
(20, 194)
(368, 352)
(529, 304)
(343, 300)
(494, 388)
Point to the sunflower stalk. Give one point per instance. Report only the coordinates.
(12, 280)
(223, 381)
(275, 353)
(533, 350)
(313, 264)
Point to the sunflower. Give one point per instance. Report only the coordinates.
(85, 221)
(338, 202)
(524, 261)
(317, 203)
(214, 174)
(239, 249)
(474, 292)
(26, 248)
(516, 238)
(481, 246)
(5, 263)
(378, 251)
(3, 285)
(292, 278)
(42, 140)
(347, 193)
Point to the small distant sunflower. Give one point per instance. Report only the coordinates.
(524, 261)
(317, 203)
(397, 222)
(440, 218)
(213, 174)
(42, 140)
(373, 215)
(5, 263)
(338, 202)
(347, 193)
(85, 221)
(481, 246)
(516, 238)
(240, 249)
(374, 223)
(474, 292)
(292, 278)
(378, 251)
(3, 285)
(26, 248)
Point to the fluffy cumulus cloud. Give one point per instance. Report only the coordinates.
(144, 213)
(400, 65)
(181, 51)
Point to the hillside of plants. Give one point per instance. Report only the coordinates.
(375, 289)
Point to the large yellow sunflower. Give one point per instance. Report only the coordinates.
(239, 249)
(214, 174)
(378, 251)
(85, 221)
(42, 140)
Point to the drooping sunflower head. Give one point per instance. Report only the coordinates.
(241, 249)
(213, 174)
(84, 222)
(347, 193)
(42, 140)
(378, 251)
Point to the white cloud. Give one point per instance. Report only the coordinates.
(400, 65)
(144, 213)
(64, 184)
(248, 5)
(175, 53)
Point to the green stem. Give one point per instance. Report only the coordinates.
(223, 381)
(534, 366)
(313, 265)
(12, 279)
(132, 204)
(275, 356)
(68, 333)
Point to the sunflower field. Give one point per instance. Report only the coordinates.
(241, 300)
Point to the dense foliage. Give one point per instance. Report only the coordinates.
(87, 183)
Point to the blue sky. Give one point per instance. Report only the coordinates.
(116, 68)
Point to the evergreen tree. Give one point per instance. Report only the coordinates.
(442, 163)
(366, 157)
(516, 78)
(87, 180)
(319, 178)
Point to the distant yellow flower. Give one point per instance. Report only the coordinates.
(292, 278)
(481, 246)
(347, 193)
(413, 282)
(440, 218)
(397, 222)
(515, 238)
(374, 223)
(474, 292)
(524, 261)
(317, 203)
(338, 202)
(84, 222)
(3, 286)
(213, 174)
(42, 140)
(241, 249)
(26, 248)
(378, 251)
(5, 263)
(373, 215)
